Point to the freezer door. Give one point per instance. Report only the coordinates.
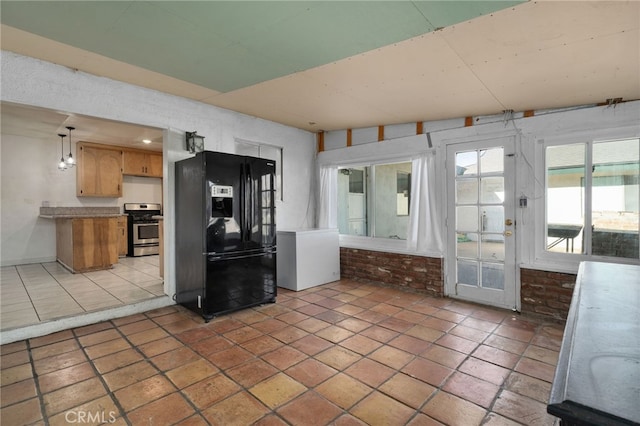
(236, 282)
(224, 206)
(261, 198)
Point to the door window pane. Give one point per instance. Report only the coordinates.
(467, 218)
(466, 163)
(492, 161)
(493, 247)
(467, 273)
(467, 245)
(492, 219)
(493, 275)
(492, 190)
(466, 191)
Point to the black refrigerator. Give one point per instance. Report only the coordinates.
(225, 232)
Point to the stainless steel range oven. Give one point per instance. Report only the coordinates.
(144, 237)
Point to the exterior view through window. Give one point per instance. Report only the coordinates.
(373, 200)
(593, 198)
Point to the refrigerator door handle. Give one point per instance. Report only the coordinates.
(243, 210)
(249, 202)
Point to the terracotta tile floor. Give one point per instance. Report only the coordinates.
(346, 353)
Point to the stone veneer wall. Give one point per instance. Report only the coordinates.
(399, 270)
(546, 293)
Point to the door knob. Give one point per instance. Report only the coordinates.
(508, 233)
(508, 222)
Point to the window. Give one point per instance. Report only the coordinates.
(593, 198)
(270, 152)
(403, 192)
(373, 200)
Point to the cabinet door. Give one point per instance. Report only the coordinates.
(94, 243)
(135, 163)
(123, 247)
(155, 165)
(99, 172)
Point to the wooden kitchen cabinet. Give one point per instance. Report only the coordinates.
(87, 244)
(123, 246)
(99, 170)
(142, 163)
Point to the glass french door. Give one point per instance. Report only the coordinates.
(480, 222)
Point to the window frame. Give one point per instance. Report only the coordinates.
(570, 261)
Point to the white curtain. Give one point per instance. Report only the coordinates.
(328, 197)
(424, 233)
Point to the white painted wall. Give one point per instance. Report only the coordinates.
(29, 171)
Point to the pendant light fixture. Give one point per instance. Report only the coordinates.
(70, 160)
(62, 166)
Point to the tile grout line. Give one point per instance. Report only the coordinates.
(99, 375)
(28, 294)
(36, 380)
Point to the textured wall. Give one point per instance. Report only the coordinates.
(398, 270)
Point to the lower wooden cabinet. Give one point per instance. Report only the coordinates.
(87, 244)
(123, 243)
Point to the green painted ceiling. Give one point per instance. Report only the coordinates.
(227, 45)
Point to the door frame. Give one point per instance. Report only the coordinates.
(476, 140)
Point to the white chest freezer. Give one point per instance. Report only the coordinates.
(307, 258)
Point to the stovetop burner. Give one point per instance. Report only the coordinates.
(143, 212)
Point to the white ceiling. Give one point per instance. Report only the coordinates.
(536, 55)
(39, 123)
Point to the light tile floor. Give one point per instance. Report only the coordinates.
(39, 292)
(346, 353)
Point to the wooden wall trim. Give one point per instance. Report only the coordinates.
(468, 121)
(419, 129)
(349, 137)
(321, 141)
(380, 133)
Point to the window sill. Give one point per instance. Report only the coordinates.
(383, 245)
(570, 263)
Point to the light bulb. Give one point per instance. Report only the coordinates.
(70, 161)
(62, 166)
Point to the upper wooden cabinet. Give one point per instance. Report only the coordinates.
(99, 170)
(142, 163)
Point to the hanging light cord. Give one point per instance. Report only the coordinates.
(62, 166)
(70, 160)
